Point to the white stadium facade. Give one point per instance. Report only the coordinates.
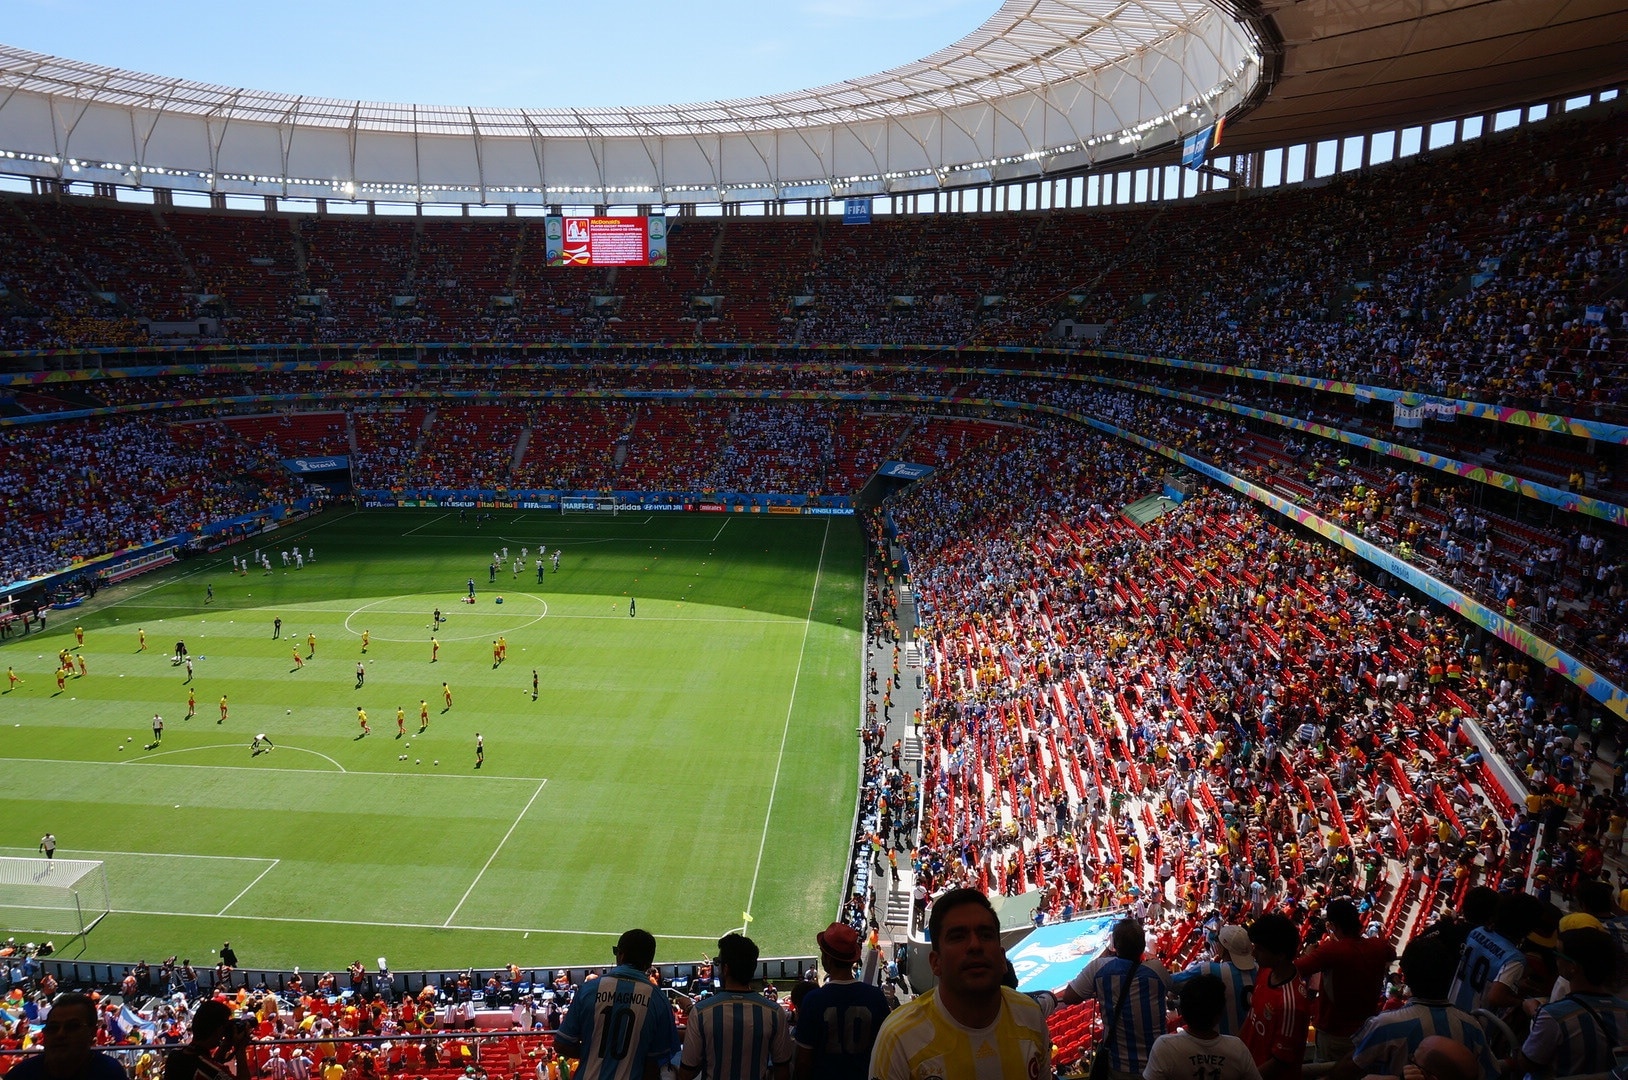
(1012, 116)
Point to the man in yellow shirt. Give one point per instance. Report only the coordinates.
(969, 1026)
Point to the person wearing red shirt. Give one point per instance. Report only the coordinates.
(1352, 970)
(1280, 1008)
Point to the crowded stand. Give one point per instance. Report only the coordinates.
(1566, 582)
(1500, 289)
(1154, 716)
(132, 483)
(1562, 578)
(1264, 754)
(1337, 290)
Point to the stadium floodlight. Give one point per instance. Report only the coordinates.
(53, 896)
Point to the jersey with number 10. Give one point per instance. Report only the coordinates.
(1487, 958)
(621, 1021)
(839, 1022)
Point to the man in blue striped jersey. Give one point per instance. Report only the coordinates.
(1236, 968)
(737, 1033)
(1578, 1033)
(1491, 965)
(620, 1024)
(1118, 972)
(1386, 1043)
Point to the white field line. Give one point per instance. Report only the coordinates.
(609, 933)
(151, 854)
(427, 524)
(249, 886)
(785, 728)
(513, 825)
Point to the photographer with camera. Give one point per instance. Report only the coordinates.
(219, 1048)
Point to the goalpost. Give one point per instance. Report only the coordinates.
(53, 896)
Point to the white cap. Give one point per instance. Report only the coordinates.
(1235, 939)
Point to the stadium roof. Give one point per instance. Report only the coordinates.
(1043, 87)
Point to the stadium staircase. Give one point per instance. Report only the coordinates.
(189, 273)
(898, 899)
(520, 445)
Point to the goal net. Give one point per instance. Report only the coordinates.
(596, 504)
(52, 896)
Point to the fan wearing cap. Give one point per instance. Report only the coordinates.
(1236, 968)
(1353, 970)
(1578, 1033)
(620, 1025)
(837, 1022)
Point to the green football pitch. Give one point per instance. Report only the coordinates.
(675, 770)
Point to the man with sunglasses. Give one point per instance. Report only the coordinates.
(70, 1054)
(1578, 1033)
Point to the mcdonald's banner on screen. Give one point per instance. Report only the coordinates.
(605, 241)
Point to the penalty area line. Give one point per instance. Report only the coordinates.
(151, 854)
(299, 920)
(512, 826)
(427, 524)
(249, 886)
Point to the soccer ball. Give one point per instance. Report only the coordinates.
(420, 761)
(290, 712)
(437, 761)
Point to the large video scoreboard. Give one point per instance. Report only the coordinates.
(606, 241)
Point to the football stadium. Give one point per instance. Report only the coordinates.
(1125, 508)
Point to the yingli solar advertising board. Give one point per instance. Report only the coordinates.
(606, 241)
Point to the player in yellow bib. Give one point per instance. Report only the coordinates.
(968, 1027)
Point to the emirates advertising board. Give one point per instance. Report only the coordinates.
(606, 241)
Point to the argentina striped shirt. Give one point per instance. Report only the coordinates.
(1141, 1020)
(1385, 1044)
(737, 1035)
(1577, 1034)
(1487, 958)
(616, 1023)
(1239, 984)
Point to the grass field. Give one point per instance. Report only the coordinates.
(675, 770)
